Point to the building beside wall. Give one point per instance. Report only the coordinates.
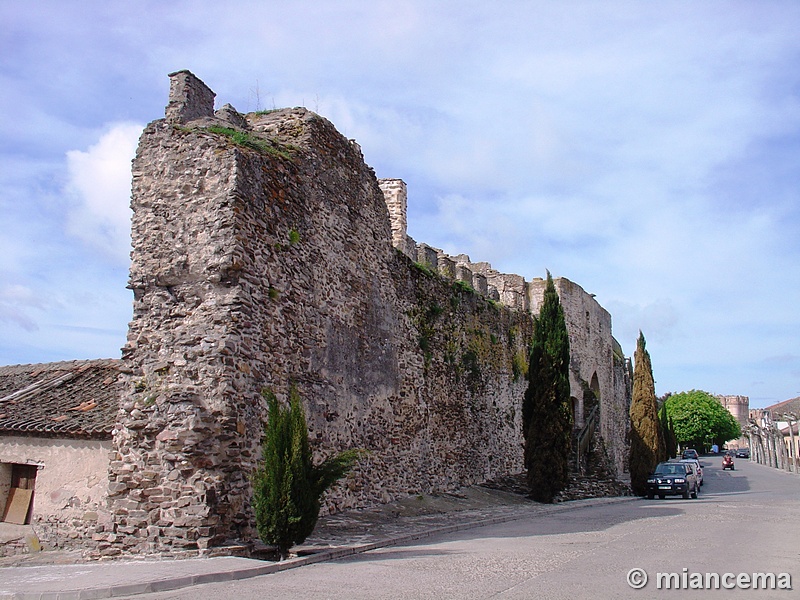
(266, 254)
(56, 421)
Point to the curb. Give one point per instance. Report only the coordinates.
(174, 583)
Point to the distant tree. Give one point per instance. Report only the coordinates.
(287, 486)
(647, 446)
(546, 409)
(700, 420)
(667, 432)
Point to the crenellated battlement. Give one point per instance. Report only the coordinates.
(588, 323)
(510, 290)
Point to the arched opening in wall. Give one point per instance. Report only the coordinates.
(595, 386)
(591, 397)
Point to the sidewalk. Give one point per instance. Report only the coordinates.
(336, 536)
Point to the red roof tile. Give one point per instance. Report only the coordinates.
(76, 398)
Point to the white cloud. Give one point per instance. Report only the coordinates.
(16, 301)
(100, 186)
(645, 150)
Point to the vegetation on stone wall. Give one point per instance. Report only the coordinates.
(546, 410)
(424, 319)
(424, 268)
(245, 139)
(700, 420)
(287, 486)
(647, 445)
(454, 331)
(463, 286)
(519, 365)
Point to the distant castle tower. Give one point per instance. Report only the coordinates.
(739, 407)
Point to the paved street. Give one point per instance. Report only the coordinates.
(744, 521)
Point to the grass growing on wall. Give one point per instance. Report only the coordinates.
(248, 140)
(519, 364)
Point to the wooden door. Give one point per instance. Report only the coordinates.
(19, 506)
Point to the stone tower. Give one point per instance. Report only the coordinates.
(739, 407)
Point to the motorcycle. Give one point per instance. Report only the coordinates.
(727, 462)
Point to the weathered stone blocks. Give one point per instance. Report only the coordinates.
(189, 98)
(274, 263)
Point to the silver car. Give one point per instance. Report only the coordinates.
(697, 467)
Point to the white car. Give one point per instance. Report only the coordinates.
(698, 468)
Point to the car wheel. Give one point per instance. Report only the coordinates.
(649, 496)
(733, 468)
(661, 496)
(686, 495)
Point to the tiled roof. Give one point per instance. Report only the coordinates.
(787, 406)
(76, 398)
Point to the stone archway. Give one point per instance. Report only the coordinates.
(595, 386)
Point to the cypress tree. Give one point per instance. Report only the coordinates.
(546, 409)
(287, 486)
(672, 440)
(667, 433)
(647, 445)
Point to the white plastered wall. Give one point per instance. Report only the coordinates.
(72, 477)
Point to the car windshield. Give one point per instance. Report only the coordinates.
(671, 470)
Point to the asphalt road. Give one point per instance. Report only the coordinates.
(745, 521)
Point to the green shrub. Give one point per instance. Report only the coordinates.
(287, 486)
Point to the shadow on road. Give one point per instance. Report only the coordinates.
(720, 486)
(579, 520)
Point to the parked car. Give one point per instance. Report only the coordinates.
(698, 468)
(743, 453)
(690, 453)
(727, 462)
(671, 479)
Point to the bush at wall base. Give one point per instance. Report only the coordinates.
(287, 486)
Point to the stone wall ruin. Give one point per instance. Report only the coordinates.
(267, 254)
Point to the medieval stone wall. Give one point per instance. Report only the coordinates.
(596, 358)
(265, 261)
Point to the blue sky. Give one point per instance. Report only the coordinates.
(649, 151)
